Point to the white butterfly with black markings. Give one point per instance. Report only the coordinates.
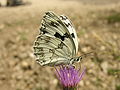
(57, 42)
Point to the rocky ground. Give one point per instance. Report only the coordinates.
(98, 27)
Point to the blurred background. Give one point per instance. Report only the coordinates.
(97, 23)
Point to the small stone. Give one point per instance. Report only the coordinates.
(84, 49)
(116, 24)
(104, 66)
(55, 81)
(25, 65)
(31, 55)
(23, 55)
(19, 77)
(86, 36)
(91, 71)
(2, 26)
(115, 37)
(12, 63)
(102, 48)
(81, 83)
(3, 77)
(1, 82)
(87, 83)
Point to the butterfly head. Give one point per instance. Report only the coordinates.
(78, 59)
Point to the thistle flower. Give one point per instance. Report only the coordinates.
(69, 77)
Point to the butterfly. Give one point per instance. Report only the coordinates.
(57, 42)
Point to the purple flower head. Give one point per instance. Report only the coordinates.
(69, 76)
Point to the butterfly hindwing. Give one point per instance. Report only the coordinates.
(49, 50)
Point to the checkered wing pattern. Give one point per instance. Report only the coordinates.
(57, 42)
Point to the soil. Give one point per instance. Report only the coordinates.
(97, 23)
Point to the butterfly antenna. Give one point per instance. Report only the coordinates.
(86, 55)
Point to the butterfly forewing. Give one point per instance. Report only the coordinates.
(59, 30)
(71, 29)
(54, 45)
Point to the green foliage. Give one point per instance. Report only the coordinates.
(98, 81)
(23, 36)
(113, 71)
(38, 88)
(117, 58)
(117, 87)
(113, 18)
(17, 89)
(8, 24)
(81, 32)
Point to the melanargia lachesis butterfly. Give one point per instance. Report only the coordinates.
(57, 42)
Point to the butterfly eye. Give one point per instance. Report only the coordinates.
(77, 59)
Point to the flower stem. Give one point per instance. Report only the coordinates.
(69, 88)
